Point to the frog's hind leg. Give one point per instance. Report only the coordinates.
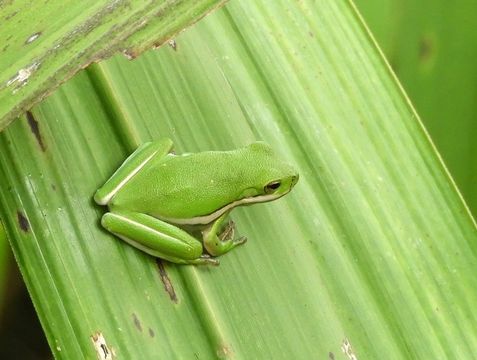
(156, 237)
(135, 162)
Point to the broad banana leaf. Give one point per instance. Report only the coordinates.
(45, 43)
(372, 253)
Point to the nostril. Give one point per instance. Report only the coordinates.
(295, 179)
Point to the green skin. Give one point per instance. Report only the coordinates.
(155, 195)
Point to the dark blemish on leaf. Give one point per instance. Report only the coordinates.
(166, 281)
(426, 49)
(331, 356)
(130, 54)
(105, 350)
(151, 333)
(311, 34)
(9, 16)
(53, 187)
(23, 222)
(32, 37)
(137, 323)
(35, 129)
(393, 64)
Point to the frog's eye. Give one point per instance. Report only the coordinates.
(271, 187)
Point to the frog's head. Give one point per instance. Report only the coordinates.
(270, 178)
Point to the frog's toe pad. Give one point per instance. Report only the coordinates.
(241, 240)
(208, 260)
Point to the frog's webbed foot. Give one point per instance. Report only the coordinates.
(228, 233)
(219, 239)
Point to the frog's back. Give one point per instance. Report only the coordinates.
(195, 185)
(183, 186)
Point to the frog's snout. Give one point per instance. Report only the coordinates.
(294, 180)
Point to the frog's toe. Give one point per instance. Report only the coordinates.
(228, 231)
(241, 240)
(206, 259)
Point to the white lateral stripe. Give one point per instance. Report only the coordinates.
(207, 219)
(110, 195)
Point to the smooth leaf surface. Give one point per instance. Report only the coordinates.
(372, 253)
(45, 43)
(432, 46)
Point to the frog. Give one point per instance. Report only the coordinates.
(176, 207)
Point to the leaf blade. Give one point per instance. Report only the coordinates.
(373, 240)
(40, 56)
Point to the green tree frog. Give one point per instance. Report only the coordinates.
(158, 200)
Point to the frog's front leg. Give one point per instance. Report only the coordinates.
(219, 239)
(156, 237)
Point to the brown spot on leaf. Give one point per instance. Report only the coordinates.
(426, 49)
(331, 356)
(137, 323)
(130, 54)
(35, 129)
(103, 352)
(9, 16)
(23, 222)
(166, 281)
(394, 65)
(151, 333)
(173, 44)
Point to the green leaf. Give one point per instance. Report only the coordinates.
(46, 43)
(372, 253)
(437, 69)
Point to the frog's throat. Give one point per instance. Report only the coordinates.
(207, 219)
